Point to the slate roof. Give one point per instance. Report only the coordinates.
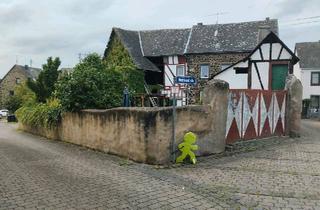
(233, 37)
(164, 42)
(130, 40)
(216, 38)
(309, 54)
(32, 72)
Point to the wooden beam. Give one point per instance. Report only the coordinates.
(258, 73)
(261, 54)
(249, 75)
(280, 53)
(270, 52)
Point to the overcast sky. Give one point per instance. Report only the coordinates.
(33, 29)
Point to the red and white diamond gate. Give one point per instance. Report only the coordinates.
(254, 114)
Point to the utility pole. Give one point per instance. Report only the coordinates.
(174, 116)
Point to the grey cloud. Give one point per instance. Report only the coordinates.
(39, 29)
(13, 14)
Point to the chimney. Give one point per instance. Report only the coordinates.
(263, 31)
(267, 18)
(26, 67)
(199, 24)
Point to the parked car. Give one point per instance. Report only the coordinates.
(314, 113)
(3, 113)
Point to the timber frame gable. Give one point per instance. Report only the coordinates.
(257, 69)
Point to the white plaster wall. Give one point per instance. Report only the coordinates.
(297, 70)
(309, 90)
(263, 68)
(276, 47)
(168, 75)
(285, 54)
(256, 55)
(236, 81)
(265, 48)
(175, 60)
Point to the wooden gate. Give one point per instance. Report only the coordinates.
(254, 114)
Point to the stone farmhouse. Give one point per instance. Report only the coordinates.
(18, 74)
(308, 71)
(200, 51)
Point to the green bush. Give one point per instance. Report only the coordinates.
(91, 86)
(23, 96)
(132, 78)
(40, 115)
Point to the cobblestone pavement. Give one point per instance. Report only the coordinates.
(279, 173)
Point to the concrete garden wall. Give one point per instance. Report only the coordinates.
(145, 134)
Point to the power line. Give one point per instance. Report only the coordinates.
(305, 18)
(302, 23)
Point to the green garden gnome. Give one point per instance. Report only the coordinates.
(186, 148)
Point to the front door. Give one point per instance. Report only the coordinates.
(278, 78)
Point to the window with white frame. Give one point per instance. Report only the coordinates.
(204, 71)
(315, 78)
(180, 70)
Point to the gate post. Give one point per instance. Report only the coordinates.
(294, 106)
(215, 94)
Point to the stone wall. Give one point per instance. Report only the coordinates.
(145, 134)
(8, 83)
(294, 106)
(215, 61)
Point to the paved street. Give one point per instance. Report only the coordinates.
(271, 174)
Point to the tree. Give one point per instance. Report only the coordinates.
(44, 86)
(90, 86)
(23, 97)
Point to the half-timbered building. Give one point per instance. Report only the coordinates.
(265, 68)
(200, 51)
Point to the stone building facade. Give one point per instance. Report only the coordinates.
(16, 75)
(216, 63)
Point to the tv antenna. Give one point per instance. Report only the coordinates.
(217, 14)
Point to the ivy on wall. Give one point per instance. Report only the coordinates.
(118, 57)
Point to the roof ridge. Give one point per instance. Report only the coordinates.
(255, 21)
(213, 24)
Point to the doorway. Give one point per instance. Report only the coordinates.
(279, 74)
